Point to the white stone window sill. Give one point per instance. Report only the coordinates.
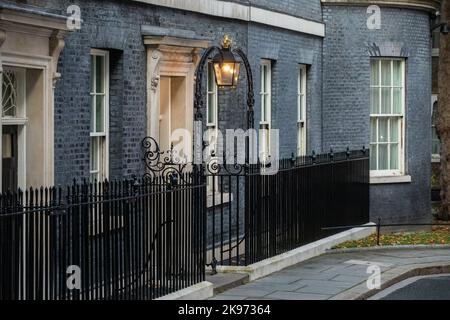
(390, 179)
(227, 197)
(435, 158)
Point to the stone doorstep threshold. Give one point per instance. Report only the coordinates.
(199, 291)
(392, 277)
(293, 257)
(226, 281)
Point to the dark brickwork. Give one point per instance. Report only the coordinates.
(287, 50)
(115, 26)
(346, 99)
(337, 85)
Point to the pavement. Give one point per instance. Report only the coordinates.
(342, 275)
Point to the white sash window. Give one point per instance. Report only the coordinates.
(301, 111)
(387, 110)
(99, 155)
(266, 109)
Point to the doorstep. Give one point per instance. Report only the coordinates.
(225, 281)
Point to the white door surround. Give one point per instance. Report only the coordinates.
(170, 57)
(34, 41)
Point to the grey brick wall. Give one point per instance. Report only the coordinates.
(287, 50)
(115, 26)
(346, 98)
(338, 85)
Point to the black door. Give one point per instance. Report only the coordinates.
(9, 156)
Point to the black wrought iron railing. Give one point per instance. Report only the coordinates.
(253, 215)
(143, 239)
(112, 240)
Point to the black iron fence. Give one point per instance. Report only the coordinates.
(113, 240)
(254, 216)
(144, 239)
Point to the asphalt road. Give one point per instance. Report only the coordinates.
(419, 288)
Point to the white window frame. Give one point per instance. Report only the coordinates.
(20, 120)
(301, 112)
(105, 133)
(265, 123)
(212, 126)
(401, 118)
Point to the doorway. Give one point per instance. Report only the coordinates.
(173, 111)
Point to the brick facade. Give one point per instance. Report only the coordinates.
(337, 84)
(346, 99)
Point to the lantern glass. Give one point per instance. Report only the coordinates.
(226, 69)
(227, 73)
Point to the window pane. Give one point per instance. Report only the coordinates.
(211, 78)
(373, 157)
(394, 130)
(99, 114)
(93, 113)
(10, 92)
(374, 100)
(300, 82)
(383, 157)
(263, 107)
(385, 101)
(7, 146)
(397, 73)
(373, 130)
(435, 142)
(434, 116)
(99, 74)
(385, 72)
(374, 73)
(382, 130)
(394, 157)
(397, 101)
(266, 109)
(94, 153)
(300, 102)
(263, 78)
(211, 109)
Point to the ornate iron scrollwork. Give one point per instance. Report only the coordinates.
(217, 166)
(169, 165)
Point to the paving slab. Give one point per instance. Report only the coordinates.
(284, 295)
(249, 292)
(330, 277)
(326, 290)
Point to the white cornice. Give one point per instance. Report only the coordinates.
(232, 10)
